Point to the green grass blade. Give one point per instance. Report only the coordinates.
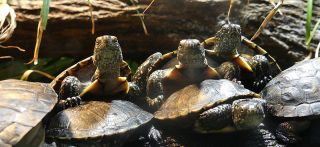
(313, 32)
(41, 27)
(44, 13)
(141, 19)
(309, 18)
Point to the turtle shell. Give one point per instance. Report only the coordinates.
(23, 105)
(84, 71)
(200, 97)
(295, 92)
(97, 120)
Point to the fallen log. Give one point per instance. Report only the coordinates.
(69, 28)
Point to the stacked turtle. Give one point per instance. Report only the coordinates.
(228, 44)
(185, 95)
(196, 87)
(222, 61)
(253, 70)
(178, 91)
(95, 117)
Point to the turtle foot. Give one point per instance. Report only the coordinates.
(69, 102)
(287, 138)
(261, 137)
(259, 83)
(262, 71)
(237, 81)
(154, 136)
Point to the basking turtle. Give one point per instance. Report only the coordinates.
(226, 45)
(158, 61)
(98, 123)
(103, 74)
(23, 106)
(213, 106)
(95, 120)
(293, 100)
(192, 68)
(85, 69)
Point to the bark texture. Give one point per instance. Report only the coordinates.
(168, 21)
(284, 36)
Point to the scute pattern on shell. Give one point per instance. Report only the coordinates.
(296, 91)
(194, 98)
(97, 119)
(23, 105)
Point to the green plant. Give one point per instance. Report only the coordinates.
(41, 27)
(310, 33)
(141, 17)
(92, 18)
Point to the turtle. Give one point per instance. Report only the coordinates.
(103, 74)
(99, 123)
(85, 69)
(226, 45)
(105, 119)
(192, 68)
(24, 107)
(293, 101)
(212, 106)
(158, 61)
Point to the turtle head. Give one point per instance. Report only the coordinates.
(107, 57)
(191, 54)
(229, 38)
(248, 113)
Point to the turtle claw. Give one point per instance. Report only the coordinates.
(70, 102)
(237, 81)
(259, 83)
(154, 136)
(287, 138)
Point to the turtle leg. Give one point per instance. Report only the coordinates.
(208, 43)
(288, 131)
(155, 136)
(243, 114)
(141, 76)
(230, 71)
(70, 86)
(248, 113)
(134, 91)
(261, 51)
(155, 93)
(69, 93)
(217, 119)
(261, 137)
(262, 71)
(69, 102)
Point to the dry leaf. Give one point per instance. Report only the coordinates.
(27, 74)
(266, 20)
